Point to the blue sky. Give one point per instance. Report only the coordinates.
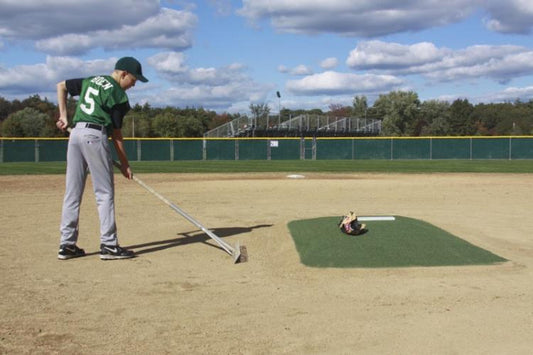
(223, 55)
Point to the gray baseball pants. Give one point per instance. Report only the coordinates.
(89, 151)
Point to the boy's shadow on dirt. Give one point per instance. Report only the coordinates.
(196, 236)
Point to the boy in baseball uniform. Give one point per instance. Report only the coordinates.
(100, 110)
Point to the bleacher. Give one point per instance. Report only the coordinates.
(299, 126)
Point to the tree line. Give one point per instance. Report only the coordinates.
(402, 114)
(36, 117)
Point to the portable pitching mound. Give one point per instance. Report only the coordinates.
(389, 241)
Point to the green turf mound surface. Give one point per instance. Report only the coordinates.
(399, 243)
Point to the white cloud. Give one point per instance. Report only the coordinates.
(172, 66)
(335, 83)
(213, 88)
(310, 103)
(301, 70)
(168, 29)
(510, 16)
(30, 19)
(22, 78)
(168, 63)
(366, 18)
(73, 27)
(63, 28)
(217, 76)
(500, 63)
(329, 63)
(386, 55)
(218, 97)
(509, 94)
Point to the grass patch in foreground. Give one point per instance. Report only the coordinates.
(294, 166)
(400, 243)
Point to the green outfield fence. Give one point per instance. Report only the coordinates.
(322, 148)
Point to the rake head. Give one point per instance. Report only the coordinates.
(239, 254)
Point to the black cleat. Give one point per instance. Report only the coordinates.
(112, 252)
(69, 252)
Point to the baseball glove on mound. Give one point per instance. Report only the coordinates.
(350, 225)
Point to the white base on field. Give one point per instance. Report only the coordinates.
(376, 218)
(295, 176)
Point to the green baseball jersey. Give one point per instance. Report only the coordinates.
(98, 96)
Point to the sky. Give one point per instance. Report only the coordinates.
(224, 55)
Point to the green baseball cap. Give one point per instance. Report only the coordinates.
(132, 66)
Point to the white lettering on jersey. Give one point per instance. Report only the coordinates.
(103, 82)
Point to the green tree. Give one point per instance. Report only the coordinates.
(486, 117)
(399, 110)
(360, 106)
(27, 122)
(434, 118)
(503, 118)
(204, 117)
(523, 119)
(190, 126)
(166, 125)
(138, 120)
(175, 122)
(219, 120)
(461, 121)
(5, 108)
(339, 111)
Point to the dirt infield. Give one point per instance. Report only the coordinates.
(183, 295)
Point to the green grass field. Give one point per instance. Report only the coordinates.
(400, 243)
(296, 166)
